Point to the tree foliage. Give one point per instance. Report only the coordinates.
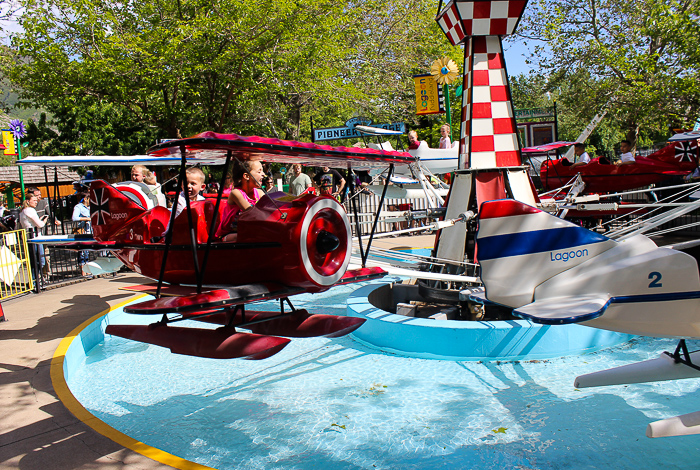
(182, 67)
(88, 127)
(534, 90)
(641, 58)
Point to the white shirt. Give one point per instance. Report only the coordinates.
(28, 218)
(156, 191)
(584, 158)
(627, 157)
(182, 204)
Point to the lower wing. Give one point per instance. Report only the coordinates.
(224, 307)
(564, 310)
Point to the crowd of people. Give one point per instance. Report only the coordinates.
(445, 139)
(34, 216)
(243, 187)
(581, 157)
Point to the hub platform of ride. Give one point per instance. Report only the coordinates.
(436, 338)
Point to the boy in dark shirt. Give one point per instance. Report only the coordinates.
(329, 182)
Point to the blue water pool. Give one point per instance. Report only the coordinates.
(333, 403)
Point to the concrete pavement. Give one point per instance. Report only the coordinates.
(37, 432)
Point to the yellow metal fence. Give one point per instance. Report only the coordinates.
(15, 265)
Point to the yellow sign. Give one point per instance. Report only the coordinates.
(8, 139)
(427, 95)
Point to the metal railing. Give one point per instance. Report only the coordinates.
(15, 264)
(367, 207)
(53, 265)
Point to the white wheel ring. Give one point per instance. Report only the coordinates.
(315, 276)
(137, 192)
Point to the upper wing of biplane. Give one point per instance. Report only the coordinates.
(123, 160)
(210, 148)
(684, 136)
(547, 147)
(378, 131)
(208, 145)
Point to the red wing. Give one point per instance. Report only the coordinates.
(221, 343)
(190, 292)
(212, 145)
(296, 324)
(217, 298)
(361, 274)
(302, 324)
(226, 342)
(547, 147)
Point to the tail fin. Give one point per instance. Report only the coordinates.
(519, 247)
(110, 210)
(681, 154)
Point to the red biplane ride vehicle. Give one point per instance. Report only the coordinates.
(601, 176)
(286, 245)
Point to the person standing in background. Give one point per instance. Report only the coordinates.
(329, 182)
(445, 142)
(43, 208)
(300, 181)
(81, 215)
(32, 223)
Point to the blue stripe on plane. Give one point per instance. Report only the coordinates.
(666, 297)
(537, 241)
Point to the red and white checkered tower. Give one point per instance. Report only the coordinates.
(490, 166)
(488, 136)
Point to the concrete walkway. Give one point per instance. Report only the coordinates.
(399, 243)
(36, 431)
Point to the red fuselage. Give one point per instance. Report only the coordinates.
(602, 177)
(297, 242)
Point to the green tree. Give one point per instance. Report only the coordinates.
(180, 66)
(227, 65)
(72, 130)
(535, 89)
(643, 54)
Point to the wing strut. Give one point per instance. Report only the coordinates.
(353, 204)
(169, 233)
(214, 220)
(376, 216)
(188, 206)
(683, 358)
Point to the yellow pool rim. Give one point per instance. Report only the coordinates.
(69, 401)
